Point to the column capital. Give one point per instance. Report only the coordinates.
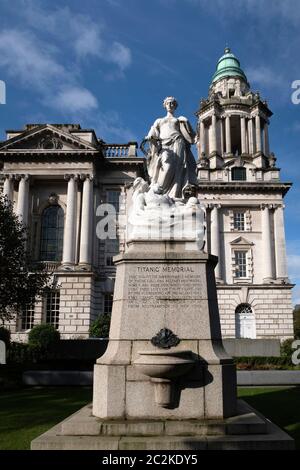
(20, 176)
(69, 176)
(7, 176)
(214, 205)
(85, 176)
(267, 206)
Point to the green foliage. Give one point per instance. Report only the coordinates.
(21, 280)
(100, 327)
(297, 321)
(5, 336)
(43, 337)
(286, 348)
(19, 353)
(264, 363)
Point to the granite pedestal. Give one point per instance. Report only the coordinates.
(165, 310)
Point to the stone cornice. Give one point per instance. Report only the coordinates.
(42, 152)
(274, 285)
(36, 131)
(244, 186)
(126, 160)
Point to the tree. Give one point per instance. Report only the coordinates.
(100, 327)
(297, 321)
(21, 280)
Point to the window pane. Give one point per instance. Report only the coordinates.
(52, 300)
(239, 221)
(238, 174)
(52, 233)
(112, 248)
(108, 302)
(240, 263)
(27, 318)
(113, 198)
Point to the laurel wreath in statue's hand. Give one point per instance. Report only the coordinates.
(150, 141)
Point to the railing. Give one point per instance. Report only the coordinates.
(120, 150)
(50, 265)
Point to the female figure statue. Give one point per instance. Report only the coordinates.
(171, 164)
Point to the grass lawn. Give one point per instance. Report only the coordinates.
(28, 412)
(280, 404)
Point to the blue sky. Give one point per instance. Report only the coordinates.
(108, 64)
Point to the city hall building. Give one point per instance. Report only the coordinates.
(60, 177)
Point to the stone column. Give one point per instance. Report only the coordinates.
(202, 137)
(266, 139)
(85, 257)
(258, 133)
(213, 134)
(23, 199)
(266, 243)
(8, 187)
(70, 222)
(280, 250)
(222, 136)
(243, 134)
(228, 134)
(250, 136)
(215, 237)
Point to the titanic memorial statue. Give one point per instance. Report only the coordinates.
(165, 381)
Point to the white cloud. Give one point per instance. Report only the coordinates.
(88, 42)
(80, 33)
(33, 56)
(29, 60)
(35, 65)
(264, 76)
(74, 99)
(120, 55)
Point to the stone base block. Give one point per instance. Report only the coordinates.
(248, 430)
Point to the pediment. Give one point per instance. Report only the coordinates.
(239, 162)
(46, 138)
(241, 241)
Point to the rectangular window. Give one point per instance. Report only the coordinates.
(27, 318)
(108, 303)
(52, 300)
(113, 198)
(240, 263)
(111, 249)
(238, 174)
(239, 221)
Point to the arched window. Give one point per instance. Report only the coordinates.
(244, 322)
(238, 173)
(52, 234)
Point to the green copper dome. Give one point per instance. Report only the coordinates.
(228, 66)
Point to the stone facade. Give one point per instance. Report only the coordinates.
(70, 169)
(64, 166)
(240, 185)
